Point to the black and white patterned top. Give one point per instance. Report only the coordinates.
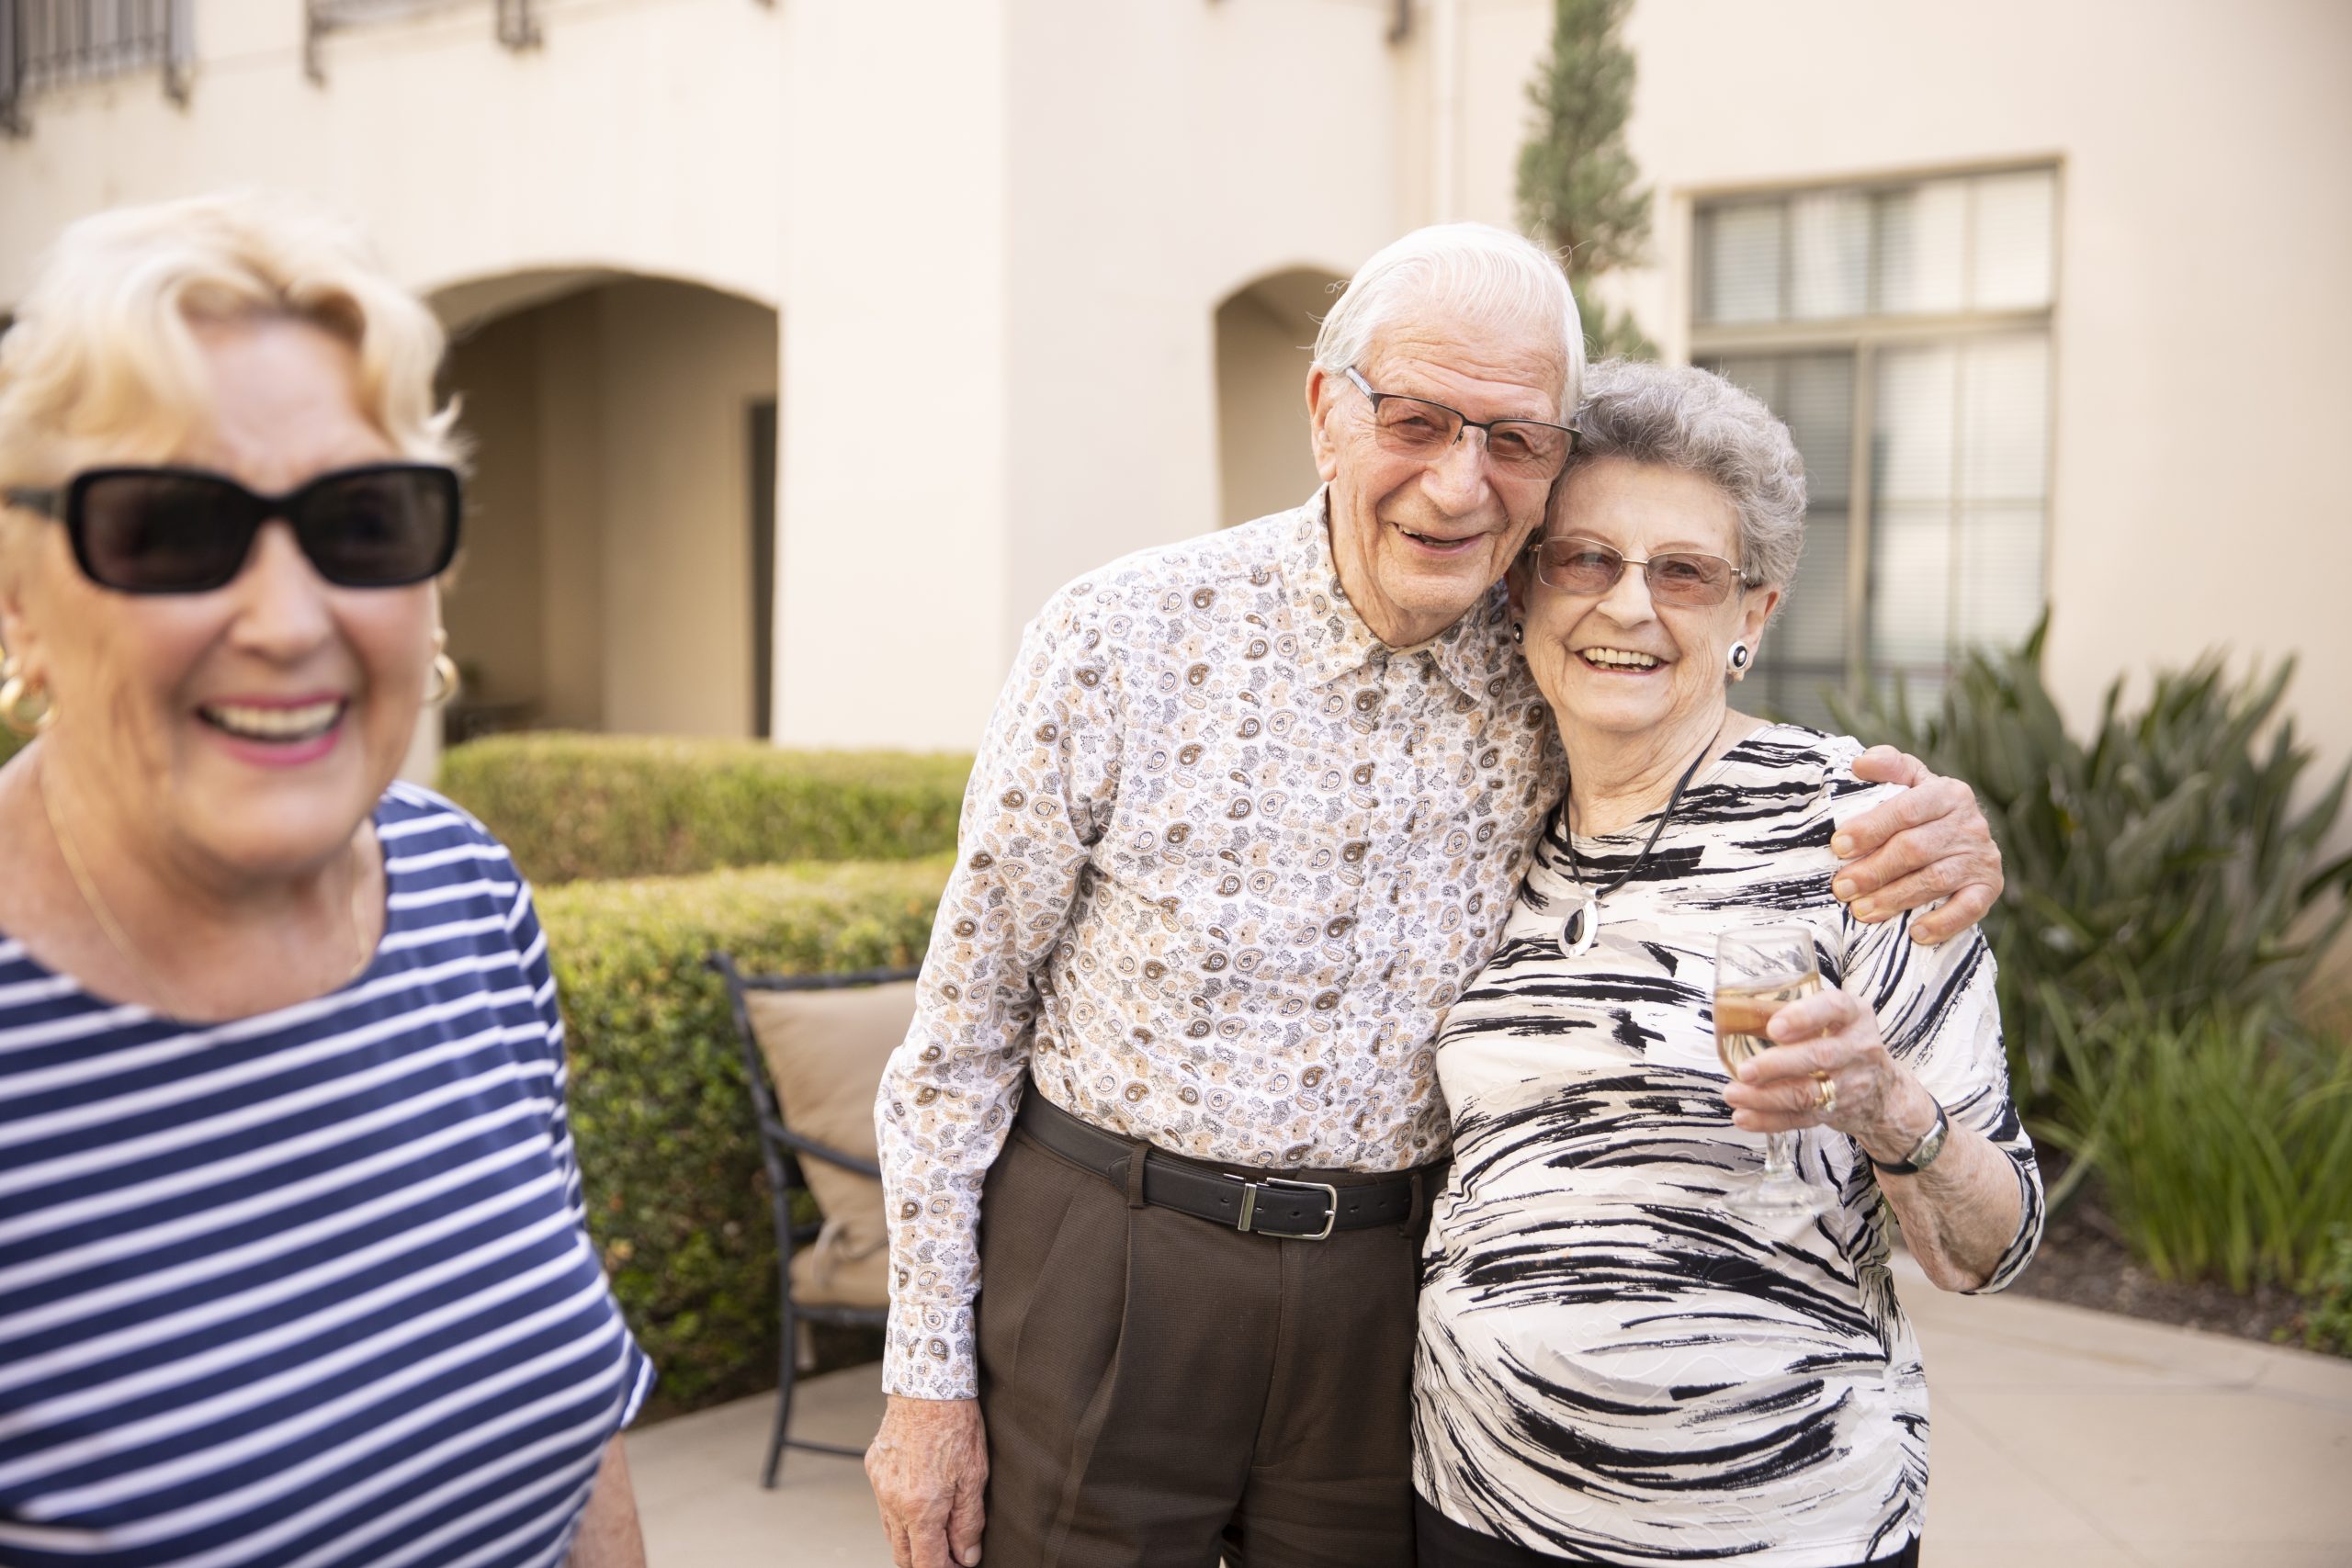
(1614, 1367)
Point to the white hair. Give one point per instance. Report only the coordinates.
(1474, 270)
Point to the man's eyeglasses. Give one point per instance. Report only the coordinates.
(1416, 427)
(167, 530)
(1588, 566)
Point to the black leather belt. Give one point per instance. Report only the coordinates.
(1257, 1201)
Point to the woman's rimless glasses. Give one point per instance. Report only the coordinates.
(1682, 578)
(1414, 427)
(167, 530)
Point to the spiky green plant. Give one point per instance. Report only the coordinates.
(2326, 1323)
(2174, 859)
(2223, 1144)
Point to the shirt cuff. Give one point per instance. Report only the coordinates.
(2027, 1241)
(931, 1352)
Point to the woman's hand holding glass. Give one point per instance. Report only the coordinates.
(1960, 1217)
(1828, 1067)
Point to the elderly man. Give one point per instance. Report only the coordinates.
(1248, 816)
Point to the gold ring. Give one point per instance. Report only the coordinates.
(1824, 1093)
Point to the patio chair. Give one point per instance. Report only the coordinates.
(814, 1048)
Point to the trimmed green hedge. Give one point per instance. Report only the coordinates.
(617, 805)
(677, 1201)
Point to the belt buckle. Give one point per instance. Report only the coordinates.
(1250, 1205)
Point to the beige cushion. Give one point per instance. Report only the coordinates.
(844, 1268)
(826, 1051)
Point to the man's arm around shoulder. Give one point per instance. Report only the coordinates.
(1930, 842)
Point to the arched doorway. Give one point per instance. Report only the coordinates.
(1266, 336)
(619, 573)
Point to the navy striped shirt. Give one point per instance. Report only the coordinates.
(312, 1287)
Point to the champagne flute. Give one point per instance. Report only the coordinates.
(1758, 973)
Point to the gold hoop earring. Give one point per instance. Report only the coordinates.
(15, 691)
(446, 681)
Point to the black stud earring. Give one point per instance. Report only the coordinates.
(1519, 632)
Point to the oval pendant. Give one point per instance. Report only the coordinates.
(1582, 927)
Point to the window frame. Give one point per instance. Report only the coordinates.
(1866, 336)
(37, 56)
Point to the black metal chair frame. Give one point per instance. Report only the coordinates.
(782, 1150)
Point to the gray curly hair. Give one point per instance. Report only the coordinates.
(1681, 417)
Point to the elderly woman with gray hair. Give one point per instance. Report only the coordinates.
(292, 1260)
(1647, 1333)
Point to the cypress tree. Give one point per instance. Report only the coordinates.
(1579, 186)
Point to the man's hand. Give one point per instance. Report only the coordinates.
(1928, 842)
(929, 1467)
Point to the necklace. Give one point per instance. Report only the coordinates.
(1582, 927)
(119, 939)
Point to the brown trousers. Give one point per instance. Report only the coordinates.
(1158, 1388)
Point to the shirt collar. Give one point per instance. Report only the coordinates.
(1334, 639)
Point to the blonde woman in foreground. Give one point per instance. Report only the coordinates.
(292, 1261)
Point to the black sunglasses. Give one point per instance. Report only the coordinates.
(165, 530)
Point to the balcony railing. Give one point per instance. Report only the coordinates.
(49, 43)
(516, 22)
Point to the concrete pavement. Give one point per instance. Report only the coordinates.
(2064, 1438)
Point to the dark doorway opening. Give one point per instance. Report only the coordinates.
(762, 513)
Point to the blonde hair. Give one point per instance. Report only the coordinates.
(103, 361)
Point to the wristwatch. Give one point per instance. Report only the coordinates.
(1922, 1153)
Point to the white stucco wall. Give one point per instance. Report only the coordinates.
(1163, 156)
(639, 137)
(894, 516)
(1046, 201)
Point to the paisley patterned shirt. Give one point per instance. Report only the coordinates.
(1226, 860)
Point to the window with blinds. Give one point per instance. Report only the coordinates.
(1903, 332)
